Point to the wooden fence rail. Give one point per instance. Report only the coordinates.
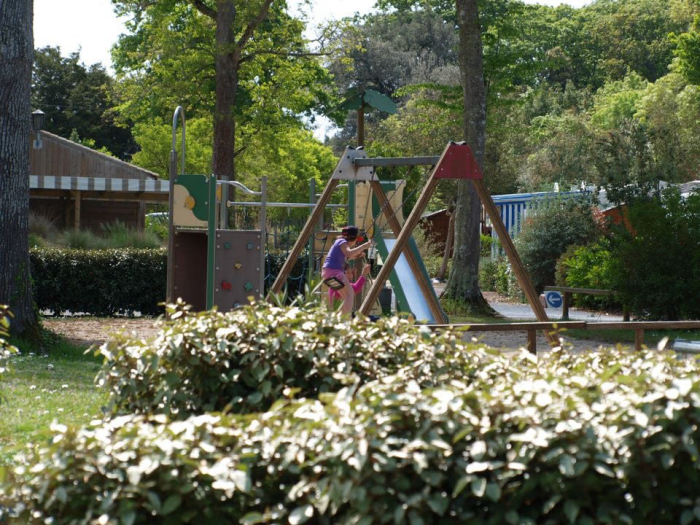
(531, 328)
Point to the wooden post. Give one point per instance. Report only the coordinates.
(532, 341)
(513, 257)
(303, 237)
(76, 218)
(638, 338)
(401, 241)
(393, 222)
(565, 306)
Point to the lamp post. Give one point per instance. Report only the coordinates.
(38, 118)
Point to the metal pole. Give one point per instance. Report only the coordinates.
(172, 173)
(211, 241)
(263, 232)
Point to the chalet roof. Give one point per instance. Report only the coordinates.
(61, 157)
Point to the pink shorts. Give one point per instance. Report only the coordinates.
(327, 273)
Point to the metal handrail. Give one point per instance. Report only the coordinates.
(241, 187)
(231, 204)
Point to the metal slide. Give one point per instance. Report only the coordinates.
(409, 297)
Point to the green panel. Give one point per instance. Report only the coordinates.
(379, 101)
(198, 187)
(401, 301)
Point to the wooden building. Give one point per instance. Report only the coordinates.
(75, 186)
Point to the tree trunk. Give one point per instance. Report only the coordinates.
(463, 283)
(16, 57)
(449, 242)
(227, 58)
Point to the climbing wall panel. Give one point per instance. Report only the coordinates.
(238, 270)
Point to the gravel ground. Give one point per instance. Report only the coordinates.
(88, 331)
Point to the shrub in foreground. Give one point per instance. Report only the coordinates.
(600, 438)
(242, 361)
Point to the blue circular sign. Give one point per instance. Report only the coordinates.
(553, 299)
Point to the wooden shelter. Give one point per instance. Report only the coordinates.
(76, 186)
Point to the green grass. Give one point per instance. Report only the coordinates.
(651, 337)
(42, 389)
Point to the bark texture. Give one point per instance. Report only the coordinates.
(16, 57)
(463, 283)
(227, 64)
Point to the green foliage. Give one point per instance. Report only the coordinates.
(242, 361)
(158, 226)
(99, 282)
(496, 275)
(607, 437)
(78, 100)
(108, 282)
(615, 103)
(588, 267)
(6, 349)
(656, 269)
(549, 231)
(688, 52)
(277, 78)
(154, 138)
(78, 239)
(119, 235)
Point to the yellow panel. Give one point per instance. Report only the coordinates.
(363, 211)
(182, 213)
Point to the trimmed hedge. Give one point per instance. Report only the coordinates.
(119, 281)
(99, 282)
(597, 438)
(242, 361)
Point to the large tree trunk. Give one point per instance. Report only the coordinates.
(463, 283)
(16, 56)
(227, 57)
(449, 242)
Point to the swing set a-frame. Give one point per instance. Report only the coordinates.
(456, 162)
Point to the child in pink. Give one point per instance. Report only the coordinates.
(333, 295)
(334, 266)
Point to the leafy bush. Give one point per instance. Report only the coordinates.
(157, 225)
(99, 282)
(244, 360)
(496, 275)
(6, 349)
(588, 267)
(655, 269)
(548, 232)
(588, 438)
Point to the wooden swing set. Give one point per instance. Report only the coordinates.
(456, 162)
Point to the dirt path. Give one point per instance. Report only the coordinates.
(88, 331)
(92, 331)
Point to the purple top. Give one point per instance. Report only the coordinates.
(335, 260)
